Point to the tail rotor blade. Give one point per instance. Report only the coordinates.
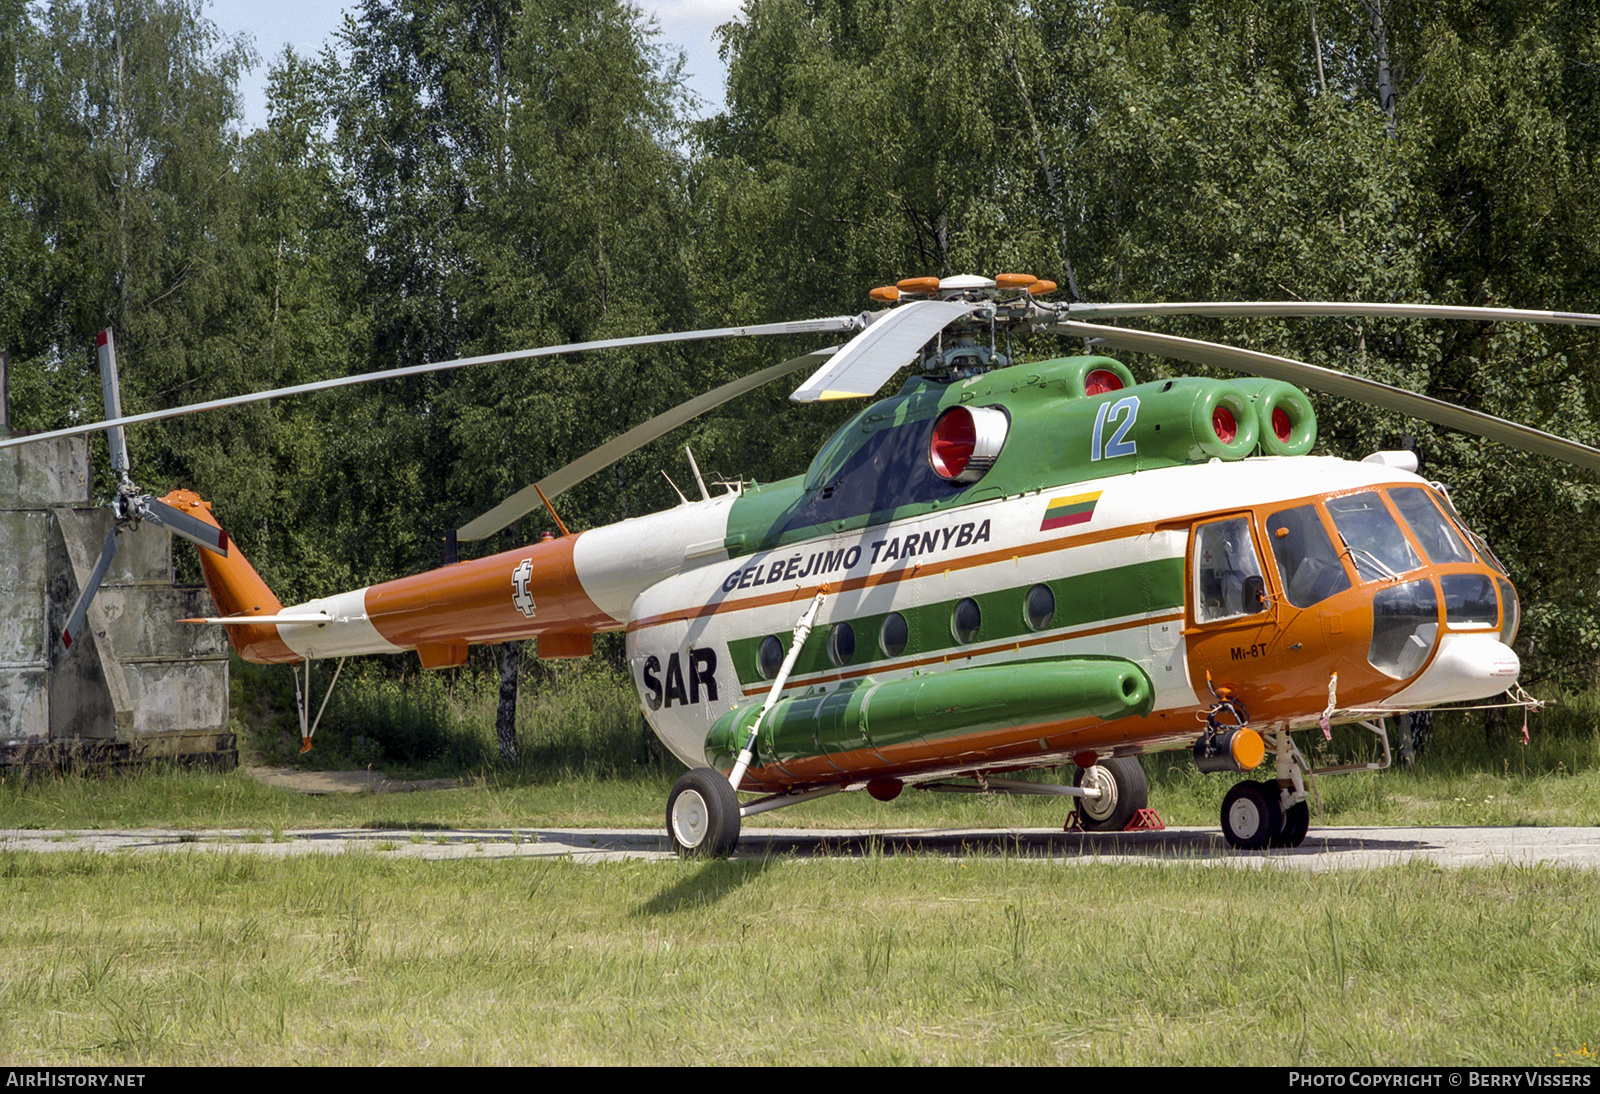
(81, 609)
(198, 532)
(113, 396)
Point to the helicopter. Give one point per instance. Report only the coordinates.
(1001, 567)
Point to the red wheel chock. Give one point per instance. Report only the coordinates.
(1146, 820)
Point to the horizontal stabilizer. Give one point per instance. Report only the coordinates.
(256, 620)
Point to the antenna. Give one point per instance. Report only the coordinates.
(675, 489)
(705, 495)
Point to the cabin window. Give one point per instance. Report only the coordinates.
(769, 659)
(1040, 607)
(1308, 563)
(965, 620)
(842, 644)
(893, 635)
(1227, 572)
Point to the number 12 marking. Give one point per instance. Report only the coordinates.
(1128, 410)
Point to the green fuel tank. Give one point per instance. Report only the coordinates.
(990, 699)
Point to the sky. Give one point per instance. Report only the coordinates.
(308, 25)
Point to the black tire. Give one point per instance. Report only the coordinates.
(1296, 823)
(1127, 792)
(703, 815)
(1251, 816)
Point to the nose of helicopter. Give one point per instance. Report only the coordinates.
(1466, 667)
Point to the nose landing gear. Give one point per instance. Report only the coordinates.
(1254, 816)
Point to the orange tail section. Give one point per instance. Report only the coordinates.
(237, 590)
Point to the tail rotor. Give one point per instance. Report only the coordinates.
(130, 508)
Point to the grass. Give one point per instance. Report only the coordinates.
(235, 958)
(364, 959)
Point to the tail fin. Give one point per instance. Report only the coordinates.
(237, 589)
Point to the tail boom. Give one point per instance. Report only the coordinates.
(530, 592)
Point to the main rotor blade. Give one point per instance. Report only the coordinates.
(1342, 384)
(179, 523)
(526, 500)
(868, 360)
(81, 608)
(805, 326)
(1309, 308)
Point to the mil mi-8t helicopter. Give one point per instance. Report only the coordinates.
(1001, 567)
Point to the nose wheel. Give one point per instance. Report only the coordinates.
(1253, 817)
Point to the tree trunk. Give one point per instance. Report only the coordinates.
(505, 721)
(1380, 45)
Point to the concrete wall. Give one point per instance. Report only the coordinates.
(136, 684)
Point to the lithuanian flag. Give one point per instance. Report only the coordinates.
(1065, 512)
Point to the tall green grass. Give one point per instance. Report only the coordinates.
(577, 718)
(366, 959)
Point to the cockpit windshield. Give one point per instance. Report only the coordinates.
(1433, 531)
(1370, 534)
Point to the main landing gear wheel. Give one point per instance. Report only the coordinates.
(1296, 823)
(703, 815)
(1123, 792)
(1251, 815)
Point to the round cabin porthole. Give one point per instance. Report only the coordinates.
(841, 644)
(769, 659)
(1040, 607)
(965, 620)
(894, 635)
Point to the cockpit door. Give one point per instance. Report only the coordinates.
(1232, 604)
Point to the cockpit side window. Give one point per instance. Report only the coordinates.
(1308, 562)
(1461, 526)
(1375, 542)
(1439, 540)
(1227, 572)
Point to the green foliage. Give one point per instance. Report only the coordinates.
(471, 176)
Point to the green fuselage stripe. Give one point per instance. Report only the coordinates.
(1082, 600)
